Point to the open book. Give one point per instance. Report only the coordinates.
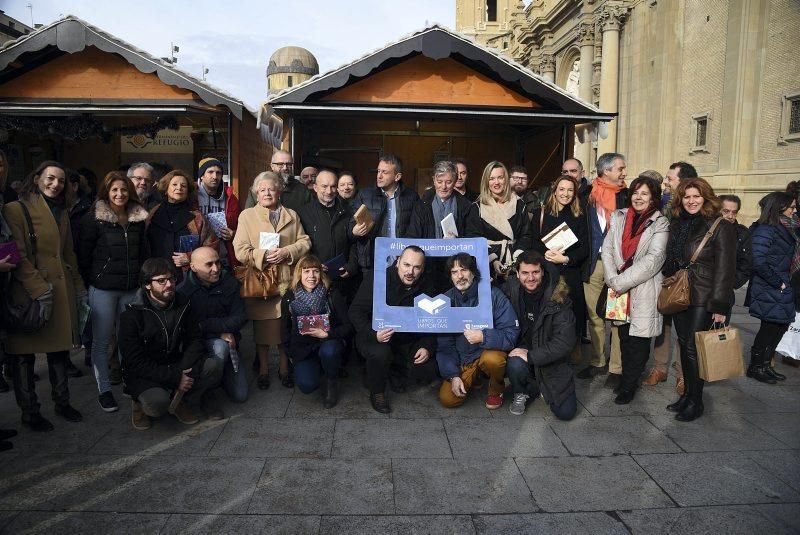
(560, 237)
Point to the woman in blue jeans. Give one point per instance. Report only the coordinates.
(111, 250)
(314, 327)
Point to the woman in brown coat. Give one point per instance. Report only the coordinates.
(257, 225)
(52, 278)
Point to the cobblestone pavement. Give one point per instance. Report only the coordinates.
(280, 463)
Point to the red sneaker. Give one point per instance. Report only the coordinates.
(494, 401)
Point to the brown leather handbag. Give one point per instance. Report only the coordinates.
(675, 295)
(256, 282)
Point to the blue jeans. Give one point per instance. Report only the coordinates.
(106, 308)
(522, 382)
(327, 357)
(233, 382)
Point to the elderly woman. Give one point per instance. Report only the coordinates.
(318, 347)
(48, 273)
(503, 220)
(633, 254)
(176, 227)
(263, 225)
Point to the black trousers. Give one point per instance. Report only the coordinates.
(396, 357)
(686, 324)
(635, 352)
(25, 387)
(769, 335)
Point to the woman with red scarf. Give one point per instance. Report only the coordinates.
(633, 254)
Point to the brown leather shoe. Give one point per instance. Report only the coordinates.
(656, 376)
(140, 421)
(184, 414)
(680, 386)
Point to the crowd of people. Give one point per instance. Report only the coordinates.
(143, 270)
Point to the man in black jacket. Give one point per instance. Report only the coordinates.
(165, 363)
(390, 204)
(294, 194)
(411, 353)
(219, 309)
(540, 361)
(744, 256)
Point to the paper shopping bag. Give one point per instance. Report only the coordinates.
(719, 354)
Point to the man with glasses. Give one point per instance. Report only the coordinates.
(166, 365)
(141, 174)
(519, 183)
(294, 193)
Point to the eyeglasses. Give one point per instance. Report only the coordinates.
(162, 281)
(282, 164)
(519, 178)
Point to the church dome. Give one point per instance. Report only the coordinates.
(293, 60)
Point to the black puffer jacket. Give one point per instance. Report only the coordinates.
(328, 232)
(157, 345)
(711, 277)
(110, 255)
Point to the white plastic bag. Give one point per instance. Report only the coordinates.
(790, 343)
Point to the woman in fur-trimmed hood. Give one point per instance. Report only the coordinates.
(111, 251)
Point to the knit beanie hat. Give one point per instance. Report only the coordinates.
(205, 163)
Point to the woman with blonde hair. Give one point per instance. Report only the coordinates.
(270, 234)
(503, 220)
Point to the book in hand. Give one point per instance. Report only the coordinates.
(218, 222)
(188, 243)
(334, 264)
(319, 321)
(618, 306)
(560, 238)
(362, 215)
(268, 240)
(10, 249)
(449, 229)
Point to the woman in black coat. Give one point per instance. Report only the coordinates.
(111, 250)
(776, 260)
(499, 215)
(711, 277)
(563, 206)
(320, 346)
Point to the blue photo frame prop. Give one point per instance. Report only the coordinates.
(431, 314)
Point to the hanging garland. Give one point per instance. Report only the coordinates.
(82, 127)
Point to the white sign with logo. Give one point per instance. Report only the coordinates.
(166, 142)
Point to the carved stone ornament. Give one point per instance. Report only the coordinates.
(547, 63)
(613, 17)
(585, 33)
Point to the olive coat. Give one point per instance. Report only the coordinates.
(56, 265)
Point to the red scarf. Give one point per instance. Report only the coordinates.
(633, 233)
(604, 196)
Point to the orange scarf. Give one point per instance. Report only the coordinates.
(604, 196)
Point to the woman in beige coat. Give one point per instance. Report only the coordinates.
(257, 224)
(633, 254)
(52, 278)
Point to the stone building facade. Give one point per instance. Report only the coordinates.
(712, 82)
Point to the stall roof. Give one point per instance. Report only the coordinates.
(71, 34)
(437, 42)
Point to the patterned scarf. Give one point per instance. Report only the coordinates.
(604, 197)
(792, 224)
(311, 303)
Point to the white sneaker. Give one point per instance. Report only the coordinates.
(517, 407)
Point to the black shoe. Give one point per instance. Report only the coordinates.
(5, 434)
(679, 405)
(613, 380)
(331, 393)
(68, 412)
(287, 380)
(36, 422)
(589, 372)
(691, 411)
(772, 372)
(759, 373)
(72, 370)
(379, 403)
(107, 402)
(4, 384)
(263, 382)
(624, 397)
(5, 445)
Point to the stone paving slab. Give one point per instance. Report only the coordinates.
(784, 516)
(528, 437)
(591, 484)
(715, 432)
(275, 437)
(609, 435)
(720, 478)
(396, 525)
(550, 523)
(460, 486)
(423, 402)
(70, 523)
(390, 439)
(324, 486)
(599, 400)
(785, 428)
(237, 524)
(783, 464)
(167, 436)
(731, 520)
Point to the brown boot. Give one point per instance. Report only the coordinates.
(184, 414)
(680, 386)
(140, 421)
(656, 376)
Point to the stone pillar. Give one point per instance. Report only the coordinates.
(547, 66)
(583, 151)
(611, 20)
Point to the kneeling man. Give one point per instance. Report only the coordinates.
(462, 356)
